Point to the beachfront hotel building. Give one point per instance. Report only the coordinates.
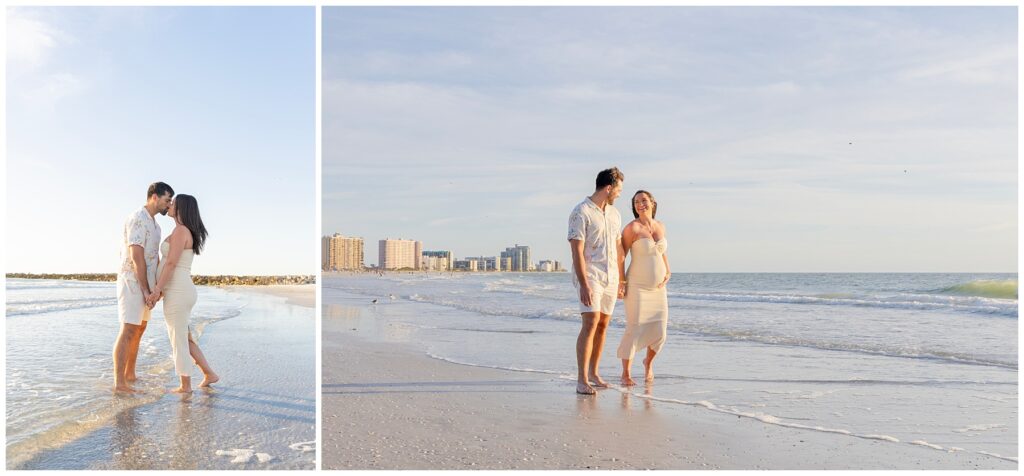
(437, 261)
(399, 254)
(341, 253)
(519, 257)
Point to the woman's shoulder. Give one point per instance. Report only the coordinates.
(181, 230)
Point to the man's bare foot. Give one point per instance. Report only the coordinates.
(584, 389)
(182, 390)
(648, 371)
(627, 381)
(209, 379)
(599, 382)
(130, 378)
(124, 389)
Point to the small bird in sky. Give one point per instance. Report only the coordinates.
(374, 301)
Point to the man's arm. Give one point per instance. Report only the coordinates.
(139, 260)
(578, 264)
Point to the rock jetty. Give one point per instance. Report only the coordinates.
(219, 280)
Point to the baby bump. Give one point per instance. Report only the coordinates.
(179, 297)
(646, 272)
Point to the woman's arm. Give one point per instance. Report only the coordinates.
(664, 257)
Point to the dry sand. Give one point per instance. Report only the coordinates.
(389, 406)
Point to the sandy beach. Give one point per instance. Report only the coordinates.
(261, 415)
(387, 404)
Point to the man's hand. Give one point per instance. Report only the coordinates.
(152, 298)
(622, 290)
(585, 294)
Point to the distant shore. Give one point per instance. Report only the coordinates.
(217, 280)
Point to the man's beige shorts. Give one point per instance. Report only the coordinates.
(131, 304)
(602, 299)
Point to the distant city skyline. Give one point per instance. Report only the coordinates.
(339, 252)
(775, 139)
(218, 102)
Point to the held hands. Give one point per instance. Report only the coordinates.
(622, 290)
(153, 297)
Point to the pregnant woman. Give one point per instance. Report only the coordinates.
(646, 299)
(179, 294)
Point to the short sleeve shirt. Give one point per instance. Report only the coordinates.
(599, 230)
(140, 229)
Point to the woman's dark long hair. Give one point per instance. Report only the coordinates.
(632, 203)
(187, 212)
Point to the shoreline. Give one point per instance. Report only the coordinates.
(263, 402)
(389, 405)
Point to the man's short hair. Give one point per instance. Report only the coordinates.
(159, 188)
(609, 177)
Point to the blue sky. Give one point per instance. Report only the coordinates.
(774, 139)
(217, 102)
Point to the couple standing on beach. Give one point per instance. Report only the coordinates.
(598, 260)
(145, 278)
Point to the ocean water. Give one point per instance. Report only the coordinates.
(60, 337)
(904, 359)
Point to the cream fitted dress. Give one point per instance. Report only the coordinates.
(179, 297)
(646, 304)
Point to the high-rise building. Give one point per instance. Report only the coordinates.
(341, 253)
(325, 253)
(519, 256)
(437, 261)
(399, 254)
(546, 265)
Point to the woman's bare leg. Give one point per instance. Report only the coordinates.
(186, 385)
(648, 365)
(197, 356)
(626, 379)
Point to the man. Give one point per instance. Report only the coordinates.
(140, 254)
(595, 241)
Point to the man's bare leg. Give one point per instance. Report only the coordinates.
(197, 356)
(649, 365)
(583, 351)
(133, 354)
(121, 347)
(595, 355)
(627, 380)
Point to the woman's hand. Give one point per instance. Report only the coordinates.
(664, 281)
(622, 289)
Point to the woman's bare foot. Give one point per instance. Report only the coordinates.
(648, 370)
(130, 378)
(599, 382)
(584, 389)
(627, 380)
(209, 379)
(182, 390)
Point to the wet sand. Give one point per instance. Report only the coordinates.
(265, 402)
(387, 405)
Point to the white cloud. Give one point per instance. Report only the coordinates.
(30, 41)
